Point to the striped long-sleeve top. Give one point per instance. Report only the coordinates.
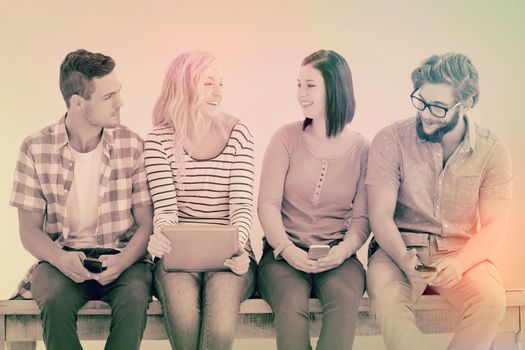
(218, 190)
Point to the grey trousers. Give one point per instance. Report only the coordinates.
(288, 291)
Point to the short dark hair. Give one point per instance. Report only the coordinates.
(340, 100)
(450, 68)
(78, 70)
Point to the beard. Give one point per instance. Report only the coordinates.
(437, 135)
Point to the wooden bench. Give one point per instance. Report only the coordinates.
(20, 325)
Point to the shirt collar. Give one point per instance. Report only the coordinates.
(469, 142)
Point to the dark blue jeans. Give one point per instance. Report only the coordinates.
(59, 299)
(201, 310)
(288, 291)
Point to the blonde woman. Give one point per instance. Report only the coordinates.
(199, 163)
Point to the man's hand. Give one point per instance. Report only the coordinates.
(298, 259)
(337, 255)
(70, 264)
(114, 267)
(239, 264)
(449, 272)
(410, 261)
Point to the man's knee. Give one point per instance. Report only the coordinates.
(55, 306)
(54, 291)
(134, 290)
(137, 279)
(48, 278)
(489, 306)
(389, 302)
(133, 299)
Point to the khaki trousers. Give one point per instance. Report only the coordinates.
(479, 297)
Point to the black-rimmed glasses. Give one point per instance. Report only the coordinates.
(435, 110)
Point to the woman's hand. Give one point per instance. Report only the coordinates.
(158, 244)
(239, 264)
(298, 259)
(337, 255)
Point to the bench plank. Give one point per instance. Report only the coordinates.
(20, 319)
(514, 297)
(23, 345)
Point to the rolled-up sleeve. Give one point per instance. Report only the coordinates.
(27, 192)
(140, 195)
(497, 182)
(384, 159)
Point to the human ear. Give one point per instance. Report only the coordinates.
(76, 101)
(466, 105)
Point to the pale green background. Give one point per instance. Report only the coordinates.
(261, 45)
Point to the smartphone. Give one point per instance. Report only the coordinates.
(426, 268)
(317, 251)
(93, 265)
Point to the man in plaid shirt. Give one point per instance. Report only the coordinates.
(81, 192)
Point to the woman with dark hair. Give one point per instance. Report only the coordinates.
(313, 193)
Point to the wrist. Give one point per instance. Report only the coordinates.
(401, 259)
(55, 258)
(348, 251)
(285, 253)
(157, 229)
(460, 262)
(122, 261)
(278, 253)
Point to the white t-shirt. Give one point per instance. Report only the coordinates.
(82, 202)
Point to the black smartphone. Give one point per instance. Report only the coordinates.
(426, 268)
(93, 265)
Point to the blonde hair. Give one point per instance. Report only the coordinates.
(451, 68)
(181, 98)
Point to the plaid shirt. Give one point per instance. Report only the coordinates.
(44, 175)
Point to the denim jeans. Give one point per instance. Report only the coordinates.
(479, 297)
(288, 291)
(201, 310)
(60, 298)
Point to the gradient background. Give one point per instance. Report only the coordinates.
(261, 45)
